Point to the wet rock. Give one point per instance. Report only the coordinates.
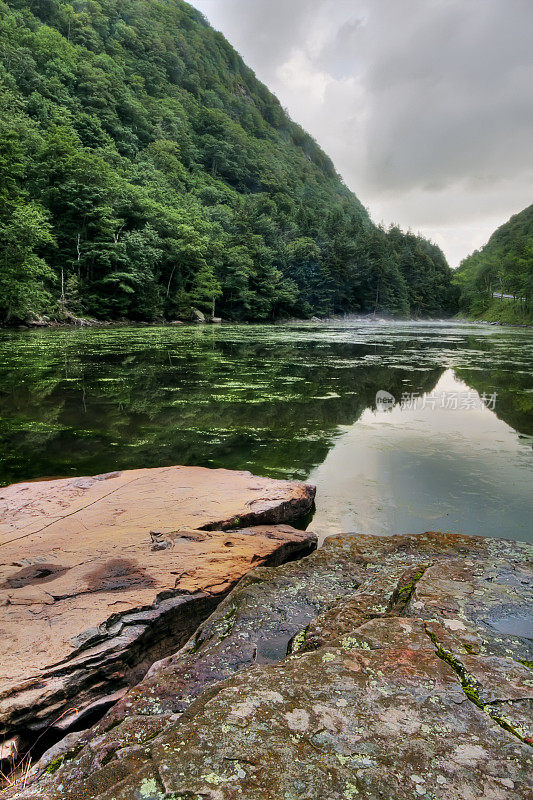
(100, 577)
(370, 669)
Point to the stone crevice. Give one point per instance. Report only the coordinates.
(472, 688)
(402, 594)
(398, 688)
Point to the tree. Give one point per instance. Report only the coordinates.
(205, 289)
(24, 276)
(504, 265)
(167, 174)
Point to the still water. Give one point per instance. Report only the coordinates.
(453, 453)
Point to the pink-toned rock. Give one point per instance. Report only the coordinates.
(101, 576)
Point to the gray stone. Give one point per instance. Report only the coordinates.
(371, 669)
(197, 315)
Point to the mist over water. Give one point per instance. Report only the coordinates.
(290, 401)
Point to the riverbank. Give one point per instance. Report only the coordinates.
(91, 322)
(377, 666)
(199, 318)
(505, 312)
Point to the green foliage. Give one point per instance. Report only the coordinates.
(23, 274)
(503, 266)
(148, 171)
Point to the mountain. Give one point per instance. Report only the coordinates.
(144, 170)
(504, 266)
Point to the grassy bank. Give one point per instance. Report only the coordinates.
(508, 312)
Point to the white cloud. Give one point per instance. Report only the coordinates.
(425, 106)
(299, 75)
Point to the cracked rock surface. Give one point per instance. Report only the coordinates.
(102, 576)
(395, 668)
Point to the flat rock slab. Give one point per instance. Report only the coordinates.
(374, 668)
(102, 576)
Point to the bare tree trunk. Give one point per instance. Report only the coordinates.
(78, 251)
(170, 279)
(116, 235)
(377, 298)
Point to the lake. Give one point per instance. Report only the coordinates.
(452, 451)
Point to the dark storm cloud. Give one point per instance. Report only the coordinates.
(424, 105)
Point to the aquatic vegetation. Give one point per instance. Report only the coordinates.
(272, 399)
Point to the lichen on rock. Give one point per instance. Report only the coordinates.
(377, 667)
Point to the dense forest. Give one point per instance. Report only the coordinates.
(504, 266)
(144, 170)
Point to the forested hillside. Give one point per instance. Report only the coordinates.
(145, 170)
(504, 266)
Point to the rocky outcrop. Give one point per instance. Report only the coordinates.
(197, 315)
(100, 577)
(375, 668)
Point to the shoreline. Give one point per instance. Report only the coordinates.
(96, 323)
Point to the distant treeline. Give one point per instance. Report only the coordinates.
(145, 170)
(504, 266)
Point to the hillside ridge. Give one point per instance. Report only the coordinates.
(145, 170)
(496, 282)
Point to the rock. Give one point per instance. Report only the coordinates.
(315, 319)
(10, 751)
(102, 576)
(407, 678)
(58, 752)
(197, 315)
(82, 322)
(216, 320)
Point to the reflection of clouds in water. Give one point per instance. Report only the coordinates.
(450, 394)
(407, 470)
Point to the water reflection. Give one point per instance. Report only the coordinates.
(411, 469)
(286, 401)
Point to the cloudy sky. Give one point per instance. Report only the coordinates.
(425, 106)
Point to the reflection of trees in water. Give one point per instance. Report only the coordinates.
(88, 402)
(514, 403)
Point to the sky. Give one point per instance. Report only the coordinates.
(425, 106)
